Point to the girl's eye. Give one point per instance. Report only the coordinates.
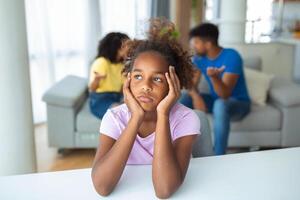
(157, 79)
(138, 77)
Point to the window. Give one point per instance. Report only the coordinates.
(124, 16)
(211, 10)
(259, 23)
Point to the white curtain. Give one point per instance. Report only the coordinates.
(63, 37)
(59, 34)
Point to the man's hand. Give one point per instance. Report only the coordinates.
(215, 72)
(224, 85)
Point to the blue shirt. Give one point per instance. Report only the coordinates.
(233, 64)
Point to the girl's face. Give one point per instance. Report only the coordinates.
(148, 82)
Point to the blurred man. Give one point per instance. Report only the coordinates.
(223, 69)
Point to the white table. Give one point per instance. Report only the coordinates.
(262, 175)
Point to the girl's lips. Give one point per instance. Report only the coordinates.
(145, 99)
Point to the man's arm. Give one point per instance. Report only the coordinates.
(223, 87)
(198, 102)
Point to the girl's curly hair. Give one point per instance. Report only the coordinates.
(162, 38)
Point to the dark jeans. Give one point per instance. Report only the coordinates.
(223, 111)
(100, 102)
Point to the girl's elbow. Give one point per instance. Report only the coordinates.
(103, 189)
(163, 193)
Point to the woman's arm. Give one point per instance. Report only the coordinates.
(111, 158)
(95, 82)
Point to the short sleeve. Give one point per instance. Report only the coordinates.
(100, 66)
(233, 63)
(188, 125)
(198, 62)
(109, 125)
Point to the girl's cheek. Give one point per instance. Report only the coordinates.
(133, 87)
(163, 90)
(165, 87)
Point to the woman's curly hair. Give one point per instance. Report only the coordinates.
(162, 38)
(110, 45)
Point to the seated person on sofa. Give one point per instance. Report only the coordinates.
(106, 74)
(223, 70)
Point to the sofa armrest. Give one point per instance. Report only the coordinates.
(284, 92)
(64, 99)
(69, 92)
(285, 95)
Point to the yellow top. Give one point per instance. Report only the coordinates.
(113, 72)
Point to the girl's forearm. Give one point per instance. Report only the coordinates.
(108, 170)
(166, 174)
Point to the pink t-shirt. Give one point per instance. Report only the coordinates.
(183, 122)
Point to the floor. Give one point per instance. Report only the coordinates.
(48, 159)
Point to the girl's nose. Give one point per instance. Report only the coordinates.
(147, 87)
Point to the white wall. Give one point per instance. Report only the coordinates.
(17, 152)
(277, 58)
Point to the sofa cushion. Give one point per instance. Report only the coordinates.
(86, 121)
(285, 92)
(258, 84)
(261, 118)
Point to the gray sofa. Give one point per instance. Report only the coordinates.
(71, 125)
(275, 125)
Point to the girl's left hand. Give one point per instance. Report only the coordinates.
(173, 95)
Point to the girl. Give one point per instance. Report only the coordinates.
(105, 75)
(150, 128)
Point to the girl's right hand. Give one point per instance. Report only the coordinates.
(132, 104)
